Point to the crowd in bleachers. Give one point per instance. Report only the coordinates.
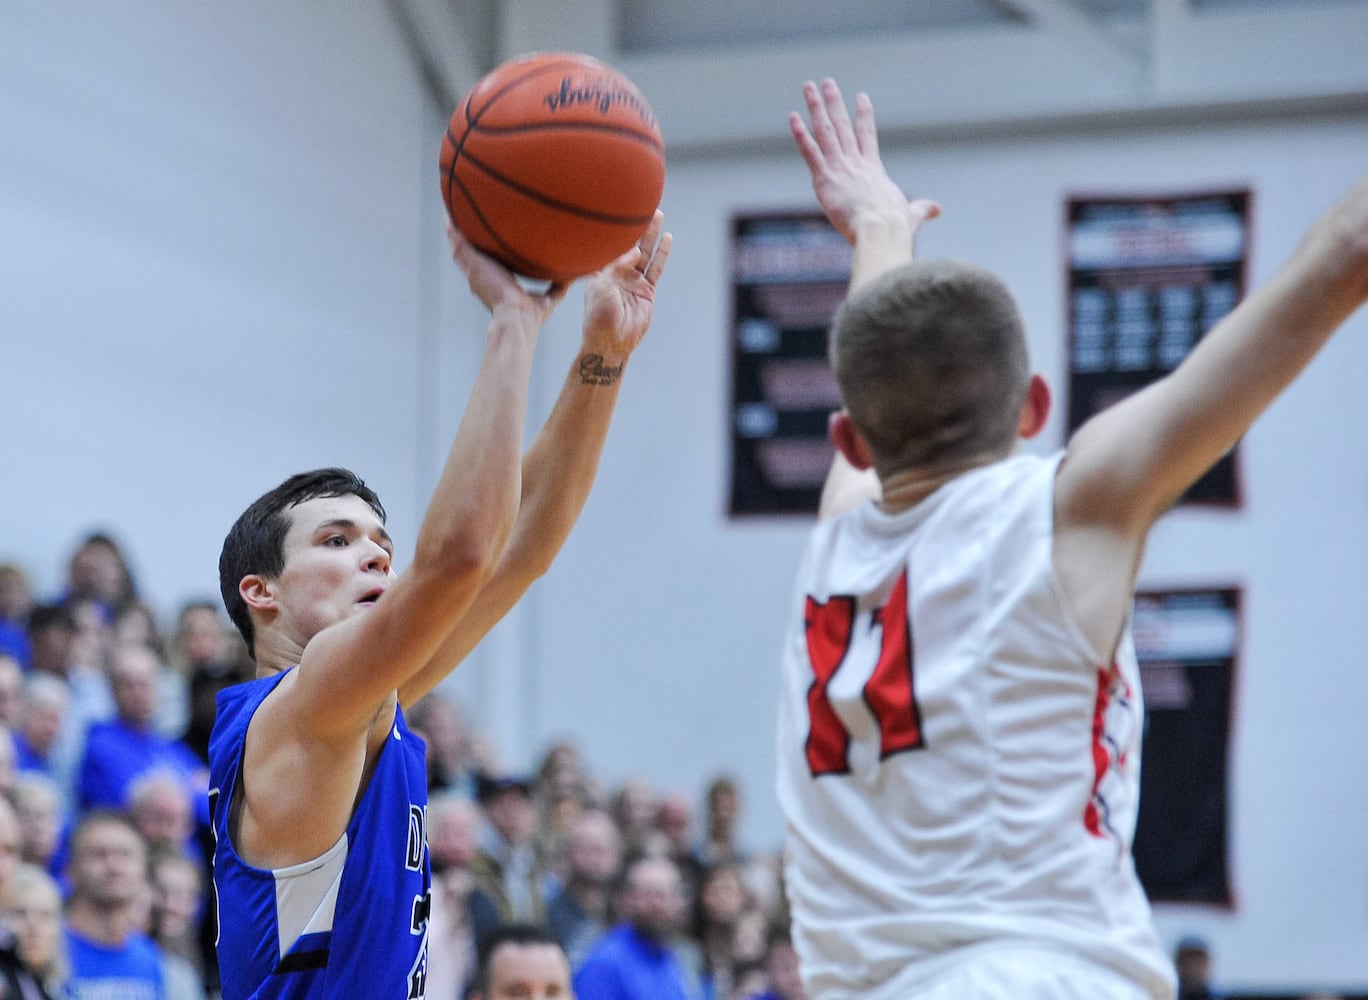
(105, 843)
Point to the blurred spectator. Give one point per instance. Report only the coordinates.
(31, 909)
(634, 810)
(451, 760)
(462, 914)
(177, 901)
(16, 601)
(506, 866)
(638, 959)
(51, 633)
(9, 761)
(99, 571)
(161, 807)
(11, 691)
(577, 911)
(120, 750)
(675, 821)
(44, 706)
(205, 684)
(751, 983)
(38, 807)
(722, 813)
(781, 968)
(721, 901)
(105, 914)
(1192, 958)
(202, 637)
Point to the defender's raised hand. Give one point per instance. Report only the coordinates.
(848, 176)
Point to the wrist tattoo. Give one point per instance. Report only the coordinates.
(592, 370)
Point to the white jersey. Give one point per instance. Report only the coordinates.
(958, 767)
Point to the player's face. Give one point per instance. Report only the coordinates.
(337, 564)
(529, 972)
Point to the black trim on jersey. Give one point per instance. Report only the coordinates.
(301, 961)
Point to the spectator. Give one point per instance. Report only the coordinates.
(51, 633)
(120, 750)
(781, 968)
(578, 910)
(674, 820)
(177, 901)
(38, 807)
(32, 912)
(45, 700)
(638, 959)
(634, 810)
(522, 962)
(201, 639)
(16, 601)
(9, 754)
(462, 914)
(1192, 959)
(11, 691)
(104, 941)
(98, 571)
(450, 762)
(721, 901)
(723, 811)
(506, 866)
(161, 807)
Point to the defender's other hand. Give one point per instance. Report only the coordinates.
(848, 175)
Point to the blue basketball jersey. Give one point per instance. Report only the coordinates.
(351, 923)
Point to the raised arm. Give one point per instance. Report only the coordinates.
(1128, 464)
(869, 210)
(1131, 462)
(562, 461)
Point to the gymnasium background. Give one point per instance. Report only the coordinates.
(221, 261)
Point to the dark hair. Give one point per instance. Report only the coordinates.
(931, 362)
(521, 935)
(46, 616)
(256, 542)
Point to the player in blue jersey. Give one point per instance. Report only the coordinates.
(318, 787)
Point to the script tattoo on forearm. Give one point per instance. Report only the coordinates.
(592, 371)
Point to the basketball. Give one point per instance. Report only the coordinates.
(553, 164)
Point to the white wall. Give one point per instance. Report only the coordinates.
(220, 262)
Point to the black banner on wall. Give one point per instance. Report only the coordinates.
(789, 273)
(1148, 277)
(1187, 642)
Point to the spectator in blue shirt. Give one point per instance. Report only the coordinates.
(110, 957)
(128, 746)
(638, 959)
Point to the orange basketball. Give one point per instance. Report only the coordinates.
(553, 164)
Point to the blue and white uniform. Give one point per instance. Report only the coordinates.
(350, 923)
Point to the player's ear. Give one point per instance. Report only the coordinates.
(849, 441)
(1036, 409)
(257, 593)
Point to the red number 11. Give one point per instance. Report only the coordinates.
(888, 692)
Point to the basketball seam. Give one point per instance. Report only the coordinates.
(564, 206)
(507, 249)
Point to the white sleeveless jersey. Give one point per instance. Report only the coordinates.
(958, 768)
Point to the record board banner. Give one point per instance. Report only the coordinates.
(1148, 277)
(1187, 642)
(789, 273)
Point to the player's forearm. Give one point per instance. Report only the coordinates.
(881, 244)
(475, 503)
(563, 460)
